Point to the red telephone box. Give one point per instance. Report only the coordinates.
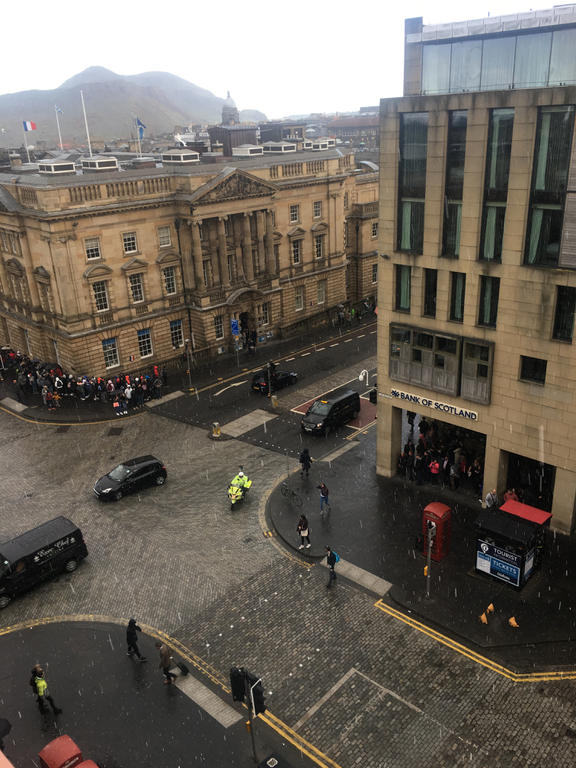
(441, 516)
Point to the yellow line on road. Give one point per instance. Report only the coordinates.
(517, 677)
(202, 666)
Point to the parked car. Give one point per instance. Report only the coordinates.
(330, 412)
(280, 379)
(52, 548)
(130, 476)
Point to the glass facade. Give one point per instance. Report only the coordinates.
(549, 182)
(498, 154)
(455, 157)
(412, 181)
(531, 60)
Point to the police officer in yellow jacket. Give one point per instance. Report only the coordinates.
(40, 688)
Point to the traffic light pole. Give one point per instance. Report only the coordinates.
(251, 710)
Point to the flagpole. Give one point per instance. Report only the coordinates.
(86, 123)
(25, 142)
(138, 135)
(58, 124)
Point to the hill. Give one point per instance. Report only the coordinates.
(161, 100)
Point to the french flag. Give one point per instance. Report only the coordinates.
(29, 125)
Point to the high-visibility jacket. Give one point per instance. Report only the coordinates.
(240, 482)
(41, 685)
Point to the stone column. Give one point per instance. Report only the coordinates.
(213, 251)
(260, 235)
(247, 246)
(270, 261)
(197, 255)
(223, 252)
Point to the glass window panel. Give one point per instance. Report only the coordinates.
(413, 148)
(492, 232)
(452, 226)
(532, 60)
(411, 226)
(430, 287)
(563, 60)
(545, 236)
(403, 288)
(489, 292)
(564, 317)
(498, 154)
(436, 68)
(552, 155)
(498, 63)
(456, 154)
(457, 297)
(465, 66)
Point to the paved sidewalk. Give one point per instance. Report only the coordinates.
(374, 524)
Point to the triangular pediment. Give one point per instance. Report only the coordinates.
(296, 232)
(134, 264)
(232, 185)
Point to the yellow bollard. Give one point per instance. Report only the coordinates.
(490, 608)
(513, 623)
(216, 431)
(483, 618)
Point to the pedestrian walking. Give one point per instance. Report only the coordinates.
(304, 531)
(40, 688)
(132, 640)
(324, 503)
(491, 500)
(165, 662)
(305, 461)
(331, 558)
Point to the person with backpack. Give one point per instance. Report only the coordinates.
(305, 461)
(331, 559)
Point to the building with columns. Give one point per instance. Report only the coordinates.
(108, 271)
(477, 272)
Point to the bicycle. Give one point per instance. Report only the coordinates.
(291, 495)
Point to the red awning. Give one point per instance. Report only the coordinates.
(526, 512)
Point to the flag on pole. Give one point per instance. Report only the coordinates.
(59, 110)
(29, 125)
(141, 127)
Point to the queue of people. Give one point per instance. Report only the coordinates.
(53, 385)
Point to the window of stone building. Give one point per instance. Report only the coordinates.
(169, 274)
(294, 214)
(496, 183)
(92, 248)
(319, 246)
(345, 200)
(457, 296)
(564, 316)
(476, 375)
(533, 369)
(403, 288)
(164, 237)
(412, 181)
(100, 290)
(263, 313)
(296, 246)
(374, 229)
(425, 358)
(317, 209)
(110, 350)
(549, 182)
(276, 255)
(321, 291)
(136, 288)
(430, 290)
(145, 342)
(299, 298)
(375, 272)
(176, 334)
(455, 157)
(219, 326)
(130, 242)
(488, 309)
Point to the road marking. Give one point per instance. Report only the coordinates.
(41, 422)
(335, 345)
(347, 341)
(248, 422)
(210, 702)
(371, 332)
(235, 384)
(361, 336)
(360, 430)
(305, 354)
(320, 349)
(14, 405)
(516, 677)
(289, 359)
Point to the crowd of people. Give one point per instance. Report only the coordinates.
(430, 460)
(54, 385)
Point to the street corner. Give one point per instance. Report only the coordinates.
(284, 506)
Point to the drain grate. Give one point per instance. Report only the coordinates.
(113, 431)
(63, 429)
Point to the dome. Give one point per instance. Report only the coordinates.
(229, 101)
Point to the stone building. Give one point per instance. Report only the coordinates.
(477, 284)
(111, 270)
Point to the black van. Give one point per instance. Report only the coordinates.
(329, 412)
(39, 554)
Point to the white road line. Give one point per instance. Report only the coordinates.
(320, 349)
(335, 345)
(347, 341)
(209, 701)
(236, 384)
(361, 336)
(288, 359)
(373, 332)
(305, 354)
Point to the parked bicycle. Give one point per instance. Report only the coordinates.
(291, 495)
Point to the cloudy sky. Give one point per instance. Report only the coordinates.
(280, 58)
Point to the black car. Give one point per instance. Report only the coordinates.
(279, 379)
(130, 476)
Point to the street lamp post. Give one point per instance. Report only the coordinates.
(187, 342)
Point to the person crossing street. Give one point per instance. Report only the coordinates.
(40, 688)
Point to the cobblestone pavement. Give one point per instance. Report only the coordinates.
(357, 683)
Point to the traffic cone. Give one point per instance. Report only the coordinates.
(513, 623)
(490, 608)
(483, 618)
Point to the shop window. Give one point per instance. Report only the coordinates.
(564, 316)
(533, 369)
(403, 288)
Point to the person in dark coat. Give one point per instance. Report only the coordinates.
(305, 460)
(132, 639)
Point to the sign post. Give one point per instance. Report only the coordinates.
(431, 530)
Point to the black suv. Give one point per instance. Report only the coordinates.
(130, 476)
(279, 380)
